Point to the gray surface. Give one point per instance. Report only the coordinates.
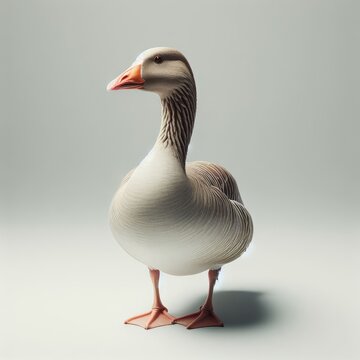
(278, 87)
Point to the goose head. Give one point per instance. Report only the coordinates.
(161, 70)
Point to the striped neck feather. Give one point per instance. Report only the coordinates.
(178, 116)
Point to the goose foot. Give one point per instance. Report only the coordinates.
(158, 315)
(205, 317)
(152, 319)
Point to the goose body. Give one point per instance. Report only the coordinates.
(177, 217)
(180, 222)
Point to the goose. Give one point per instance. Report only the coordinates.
(176, 217)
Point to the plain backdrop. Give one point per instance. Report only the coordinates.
(278, 105)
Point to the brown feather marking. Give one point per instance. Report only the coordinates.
(214, 175)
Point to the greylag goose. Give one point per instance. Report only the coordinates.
(176, 217)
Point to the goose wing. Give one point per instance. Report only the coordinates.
(217, 186)
(214, 175)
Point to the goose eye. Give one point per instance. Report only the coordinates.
(158, 59)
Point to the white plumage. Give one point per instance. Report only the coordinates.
(174, 222)
(177, 217)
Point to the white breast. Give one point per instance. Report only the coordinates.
(162, 219)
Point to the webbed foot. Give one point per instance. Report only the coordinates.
(152, 319)
(203, 318)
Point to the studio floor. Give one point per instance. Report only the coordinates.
(68, 290)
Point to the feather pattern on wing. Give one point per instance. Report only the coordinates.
(214, 175)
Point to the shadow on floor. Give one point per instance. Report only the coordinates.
(240, 308)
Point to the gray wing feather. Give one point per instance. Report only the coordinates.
(232, 215)
(214, 175)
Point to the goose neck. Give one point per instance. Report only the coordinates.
(178, 115)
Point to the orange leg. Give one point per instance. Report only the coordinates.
(205, 317)
(158, 315)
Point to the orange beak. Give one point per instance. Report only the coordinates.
(129, 79)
